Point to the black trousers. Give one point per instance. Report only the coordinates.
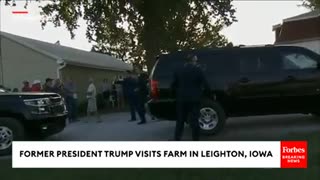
(71, 105)
(187, 110)
(137, 105)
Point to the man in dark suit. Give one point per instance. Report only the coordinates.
(188, 84)
(48, 86)
(130, 87)
(142, 94)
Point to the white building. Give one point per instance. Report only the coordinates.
(28, 59)
(302, 30)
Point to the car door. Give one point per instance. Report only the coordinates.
(301, 79)
(256, 91)
(219, 68)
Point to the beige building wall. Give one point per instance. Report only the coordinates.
(21, 63)
(81, 75)
(313, 45)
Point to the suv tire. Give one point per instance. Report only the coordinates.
(212, 117)
(10, 130)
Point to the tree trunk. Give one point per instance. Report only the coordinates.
(151, 33)
(151, 44)
(150, 59)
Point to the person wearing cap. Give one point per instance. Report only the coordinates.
(47, 87)
(26, 87)
(36, 86)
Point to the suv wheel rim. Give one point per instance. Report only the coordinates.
(6, 137)
(208, 119)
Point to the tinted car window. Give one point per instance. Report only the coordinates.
(218, 63)
(249, 64)
(297, 61)
(258, 61)
(297, 58)
(167, 65)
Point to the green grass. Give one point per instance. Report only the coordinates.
(311, 173)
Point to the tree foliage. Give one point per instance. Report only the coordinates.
(312, 4)
(138, 30)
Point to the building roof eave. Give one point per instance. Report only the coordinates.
(315, 14)
(27, 45)
(276, 27)
(297, 41)
(69, 54)
(97, 67)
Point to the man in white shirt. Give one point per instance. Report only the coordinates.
(92, 100)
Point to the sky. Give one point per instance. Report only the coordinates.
(254, 26)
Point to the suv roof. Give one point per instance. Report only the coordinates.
(204, 50)
(166, 63)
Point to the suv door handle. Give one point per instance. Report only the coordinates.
(290, 78)
(244, 80)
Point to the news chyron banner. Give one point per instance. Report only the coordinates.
(155, 154)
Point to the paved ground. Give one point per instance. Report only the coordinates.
(115, 127)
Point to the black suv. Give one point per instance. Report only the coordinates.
(244, 81)
(29, 114)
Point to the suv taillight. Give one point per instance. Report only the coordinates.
(154, 89)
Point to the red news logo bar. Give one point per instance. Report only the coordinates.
(19, 12)
(294, 154)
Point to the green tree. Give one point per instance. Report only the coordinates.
(312, 4)
(138, 30)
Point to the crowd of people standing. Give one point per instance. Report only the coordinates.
(188, 84)
(117, 93)
(67, 90)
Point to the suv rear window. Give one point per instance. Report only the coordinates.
(167, 65)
